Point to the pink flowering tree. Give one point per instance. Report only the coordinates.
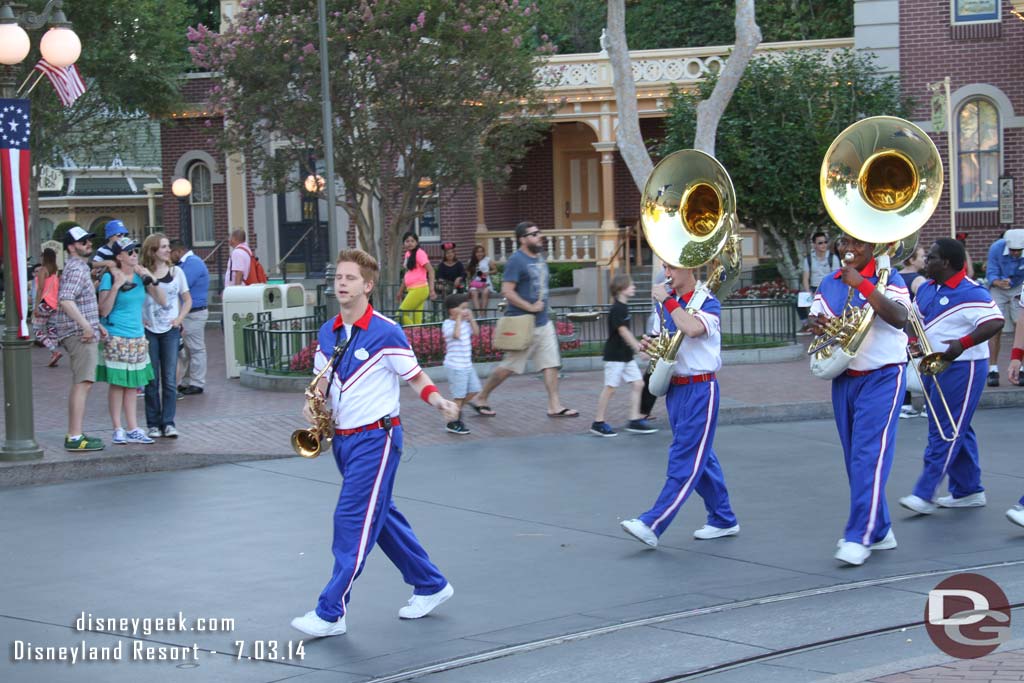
(438, 89)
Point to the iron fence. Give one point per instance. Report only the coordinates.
(287, 346)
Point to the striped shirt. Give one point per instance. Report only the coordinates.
(458, 352)
(364, 387)
(76, 285)
(953, 309)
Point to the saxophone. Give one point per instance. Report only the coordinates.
(309, 442)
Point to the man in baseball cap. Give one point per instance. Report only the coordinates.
(1005, 274)
(77, 234)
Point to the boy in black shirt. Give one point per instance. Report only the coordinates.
(619, 365)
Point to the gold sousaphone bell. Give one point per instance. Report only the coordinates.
(688, 214)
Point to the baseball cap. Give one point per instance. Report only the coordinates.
(115, 227)
(76, 234)
(123, 244)
(1015, 239)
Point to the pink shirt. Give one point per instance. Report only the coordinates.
(417, 277)
(238, 262)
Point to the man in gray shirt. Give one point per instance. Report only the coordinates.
(525, 284)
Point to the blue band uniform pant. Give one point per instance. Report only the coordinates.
(692, 463)
(962, 384)
(866, 410)
(365, 515)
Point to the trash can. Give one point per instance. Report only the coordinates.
(241, 304)
(285, 300)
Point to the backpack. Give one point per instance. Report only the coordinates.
(256, 273)
(831, 256)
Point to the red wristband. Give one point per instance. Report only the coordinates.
(427, 391)
(865, 287)
(671, 305)
(966, 342)
(1017, 354)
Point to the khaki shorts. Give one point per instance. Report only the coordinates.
(617, 373)
(1008, 301)
(543, 351)
(84, 358)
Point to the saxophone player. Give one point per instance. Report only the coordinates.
(362, 393)
(692, 402)
(866, 398)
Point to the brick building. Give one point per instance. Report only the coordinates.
(978, 45)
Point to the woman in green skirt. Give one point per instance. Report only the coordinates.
(124, 364)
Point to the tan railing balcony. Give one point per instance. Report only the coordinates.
(564, 246)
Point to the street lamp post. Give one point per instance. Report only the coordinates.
(328, 127)
(61, 48)
(182, 188)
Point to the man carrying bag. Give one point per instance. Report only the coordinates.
(525, 284)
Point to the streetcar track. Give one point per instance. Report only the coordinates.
(543, 643)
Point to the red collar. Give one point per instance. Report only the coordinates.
(956, 279)
(866, 272)
(363, 322)
(686, 297)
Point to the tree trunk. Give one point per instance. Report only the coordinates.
(628, 138)
(709, 112)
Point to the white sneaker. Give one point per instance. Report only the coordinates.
(887, 543)
(640, 531)
(311, 624)
(975, 500)
(154, 433)
(170, 432)
(120, 436)
(422, 605)
(918, 504)
(1016, 515)
(707, 532)
(852, 553)
(137, 436)
(907, 412)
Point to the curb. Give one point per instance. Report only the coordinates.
(34, 473)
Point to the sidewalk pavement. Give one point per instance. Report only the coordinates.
(232, 423)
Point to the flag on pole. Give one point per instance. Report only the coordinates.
(66, 81)
(15, 164)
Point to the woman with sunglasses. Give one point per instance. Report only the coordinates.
(124, 365)
(163, 333)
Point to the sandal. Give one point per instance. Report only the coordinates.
(483, 410)
(565, 412)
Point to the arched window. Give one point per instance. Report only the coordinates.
(201, 202)
(45, 226)
(979, 153)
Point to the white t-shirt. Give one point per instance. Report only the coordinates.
(156, 318)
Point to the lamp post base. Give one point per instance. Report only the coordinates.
(19, 442)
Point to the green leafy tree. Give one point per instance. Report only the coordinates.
(575, 25)
(772, 138)
(437, 89)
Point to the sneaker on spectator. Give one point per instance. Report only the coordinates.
(83, 443)
(190, 390)
(137, 436)
(119, 436)
(924, 412)
(171, 432)
(908, 411)
(457, 427)
(640, 426)
(993, 379)
(602, 429)
(140, 392)
(154, 433)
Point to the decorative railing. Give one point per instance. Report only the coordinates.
(281, 347)
(564, 246)
(658, 68)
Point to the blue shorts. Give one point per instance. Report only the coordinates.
(463, 381)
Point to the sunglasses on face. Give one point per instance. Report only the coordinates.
(819, 243)
(533, 234)
(131, 252)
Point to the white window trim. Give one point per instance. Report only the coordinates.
(191, 206)
(970, 22)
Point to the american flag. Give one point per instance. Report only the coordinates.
(15, 162)
(66, 81)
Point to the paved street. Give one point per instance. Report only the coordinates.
(522, 516)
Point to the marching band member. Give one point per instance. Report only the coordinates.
(692, 403)
(370, 355)
(866, 398)
(957, 313)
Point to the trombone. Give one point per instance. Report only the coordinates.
(930, 364)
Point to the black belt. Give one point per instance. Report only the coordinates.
(194, 309)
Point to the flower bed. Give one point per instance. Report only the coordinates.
(773, 289)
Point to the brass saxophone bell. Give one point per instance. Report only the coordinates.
(306, 443)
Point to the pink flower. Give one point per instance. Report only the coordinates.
(466, 28)
(413, 27)
(421, 19)
(308, 49)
